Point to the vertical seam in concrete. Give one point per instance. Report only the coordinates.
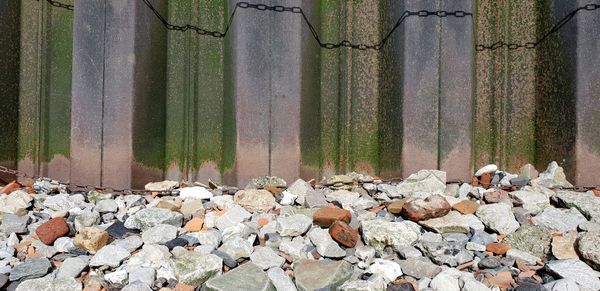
(40, 81)
(103, 94)
(270, 58)
(439, 95)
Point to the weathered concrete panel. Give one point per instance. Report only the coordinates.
(9, 82)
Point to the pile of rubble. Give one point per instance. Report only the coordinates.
(349, 232)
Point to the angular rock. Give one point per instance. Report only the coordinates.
(30, 269)
(191, 207)
(60, 202)
(194, 268)
(562, 285)
(91, 239)
(498, 217)
(420, 268)
(576, 270)
(343, 197)
(118, 230)
(72, 267)
(586, 203)
(533, 202)
(589, 248)
(554, 176)
(106, 205)
(145, 275)
(424, 181)
(49, 231)
(561, 220)
(110, 255)
(326, 246)
(293, 225)
(149, 217)
(345, 235)
(563, 247)
(524, 256)
(255, 200)
(237, 247)
(248, 276)
(63, 244)
(533, 239)
(423, 209)
(489, 169)
(190, 193)
(233, 216)
(50, 284)
(300, 188)
(451, 254)
(159, 234)
(389, 270)
(497, 248)
(450, 223)
(14, 224)
(195, 224)
(274, 181)
(324, 217)
(466, 207)
(280, 280)
(162, 186)
(528, 171)
(396, 206)
(315, 199)
(266, 258)
(323, 275)
(379, 234)
(446, 281)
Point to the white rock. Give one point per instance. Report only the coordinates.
(446, 280)
(387, 269)
(326, 246)
(576, 270)
(266, 258)
(379, 233)
(62, 244)
(293, 225)
(491, 168)
(117, 277)
(498, 217)
(234, 215)
(162, 186)
(159, 234)
(288, 198)
(109, 255)
(237, 248)
(145, 275)
(197, 192)
(423, 183)
(280, 280)
(523, 256)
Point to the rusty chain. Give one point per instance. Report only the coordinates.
(60, 5)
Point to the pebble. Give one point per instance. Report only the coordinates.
(190, 193)
(91, 239)
(491, 168)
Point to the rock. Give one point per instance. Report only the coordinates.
(475, 247)
(118, 230)
(194, 268)
(420, 268)
(72, 267)
(498, 217)
(326, 246)
(323, 275)
(300, 189)
(266, 258)
(14, 224)
(389, 270)
(423, 209)
(554, 176)
(159, 234)
(255, 200)
(378, 233)
(451, 254)
(324, 217)
(446, 280)
(345, 235)
(237, 247)
(176, 242)
(30, 269)
(43, 250)
(50, 284)
(280, 280)
(532, 239)
(396, 206)
(49, 231)
(86, 218)
(117, 277)
(491, 168)
(563, 247)
(586, 203)
(173, 205)
(191, 207)
(497, 248)
(287, 198)
(562, 285)
(293, 225)
(110, 255)
(63, 244)
(588, 248)
(343, 197)
(519, 181)
(561, 220)
(339, 179)
(524, 256)
(162, 186)
(91, 239)
(190, 193)
(424, 181)
(466, 207)
(106, 205)
(528, 171)
(504, 280)
(245, 277)
(233, 216)
(60, 202)
(490, 263)
(264, 181)
(315, 199)
(195, 224)
(149, 217)
(452, 222)
(145, 275)
(533, 202)
(577, 271)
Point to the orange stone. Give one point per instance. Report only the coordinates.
(52, 229)
(396, 206)
(342, 233)
(195, 224)
(504, 280)
(262, 222)
(497, 248)
(324, 217)
(466, 207)
(12, 186)
(183, 287)
(485, 180)
(474, 181)
(596, 192)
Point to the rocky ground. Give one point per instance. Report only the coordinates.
(349, 232)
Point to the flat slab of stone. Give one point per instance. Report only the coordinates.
(326, 275)
(247, 276)
(577, 271)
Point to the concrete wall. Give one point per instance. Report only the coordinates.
(108, 96)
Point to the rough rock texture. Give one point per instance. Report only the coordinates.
(427, 208)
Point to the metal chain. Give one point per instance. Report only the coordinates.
(60, 5)
(534, 44)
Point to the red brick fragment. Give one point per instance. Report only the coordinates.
(49, 231)
(342, 233)
(325, 216)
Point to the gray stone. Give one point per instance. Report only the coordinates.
(14, 223)
(561, 220)
(255, 200)
(387, 269)
(149, 217)
(447, 280)
(161, 186)
(86, 218)
(159, 234)
(451, 254)
(344, 197)
(589, 248)
(532, 201)
(313, 275)
(336, 179)
(390, 190)
(266, 258)
(237, 248)
(63, 244)
(562, 285)
(300, 188)
(498, 217)
(315, 199)
(554, 176)
(72, 267)
(483, 238)
(365, 285)
(31, 268)
(296, 248)
(365, 253)
(587, 203)
(190, 207)
(490, 263)
(424, 181)
(145, 275)
(281, 280)
(451, 222)
(117, 277)
(326, 246)
(109, 255)
(533, 239)
(194, 268)
(60, 202)
(475, 247)
(50, 284)
(576, 270)
(528, 171)
(420, 268)
(589, 226)
(294, 225)
(234, 215)
(409, 252)
(379, 234)
(106, 205)
(44, 250)
(524, 256)
(136, 286)
(130, 243)
(223, 201)
(211, 237)
(245, 277)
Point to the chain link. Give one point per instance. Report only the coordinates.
(60, 5)
(531, 45)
